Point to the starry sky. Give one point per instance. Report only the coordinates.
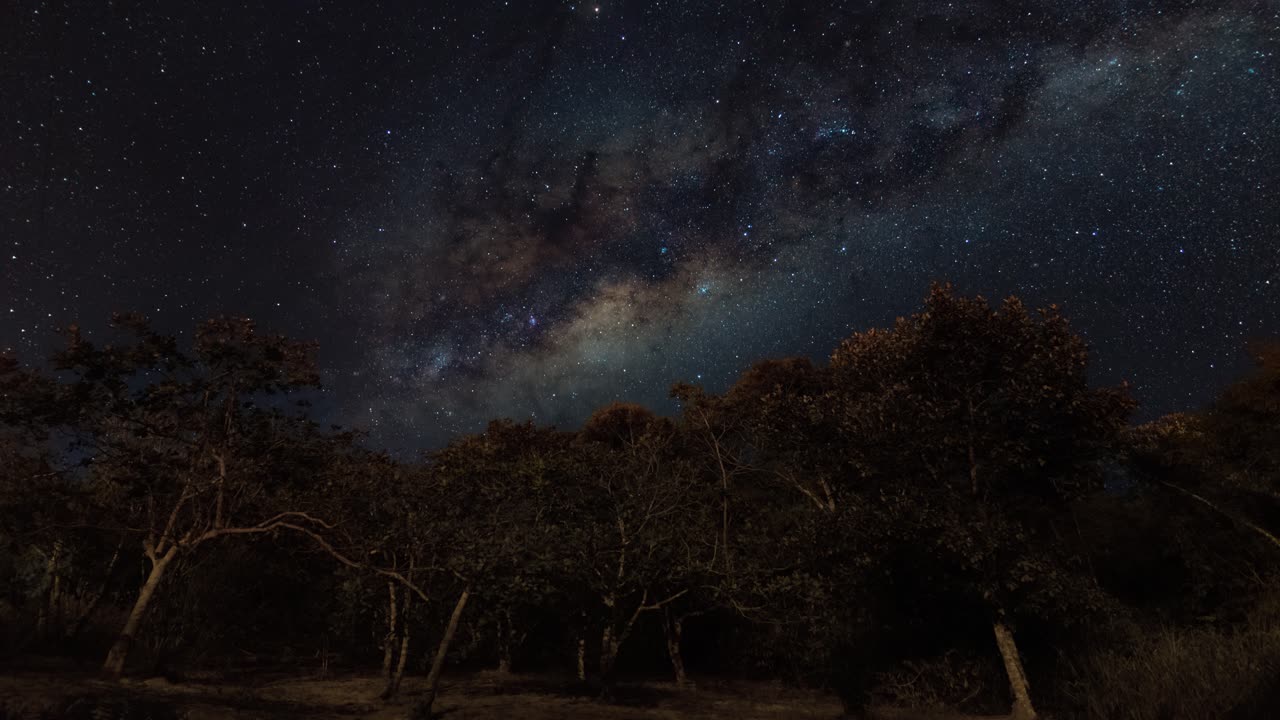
(528, 209)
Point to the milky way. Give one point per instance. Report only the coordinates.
(529, 209)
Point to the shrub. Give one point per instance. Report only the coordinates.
(946, 682)
(1201, 673)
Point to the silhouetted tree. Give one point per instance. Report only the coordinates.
(935, 487)
(181, 445)
(1224, 458)
(492, 499)
(809, 543)
(630, 525)
(37, 491)
(976, 427)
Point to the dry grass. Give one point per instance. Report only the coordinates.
(1187, 674)
(480, 696)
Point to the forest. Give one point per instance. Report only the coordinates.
(947, 516)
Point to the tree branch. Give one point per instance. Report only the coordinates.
(1274, 540)
(332, 551)
(658, 605)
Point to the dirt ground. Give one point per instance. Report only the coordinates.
(482, 696)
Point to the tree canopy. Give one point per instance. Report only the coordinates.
(955, 483)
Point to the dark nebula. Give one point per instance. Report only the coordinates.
(520, 209)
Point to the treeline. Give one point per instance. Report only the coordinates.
(947, 513)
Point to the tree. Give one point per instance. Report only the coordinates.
(1245, 422)
(1229, 454)
(36, 495)
(1224, 458)
(491, 505)
(181, 447)
(379, 510)
(974, 429)
(524, 466)
(763, 451)
(627, 524)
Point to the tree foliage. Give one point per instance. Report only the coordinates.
(953, 486)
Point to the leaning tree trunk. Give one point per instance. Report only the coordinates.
(401, 632)
(393, 686)
(114, 664)
(673, 628)
(1018, 686)
(1234, 518)
(437, 665)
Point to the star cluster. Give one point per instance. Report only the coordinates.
(521, 209)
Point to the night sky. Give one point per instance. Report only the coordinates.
(525, 209)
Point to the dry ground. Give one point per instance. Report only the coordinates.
(483, 696)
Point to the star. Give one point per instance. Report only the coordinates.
(560, 202)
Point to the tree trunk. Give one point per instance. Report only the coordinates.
(1018, 686)
(389, 641)
(394, 677)
(582, 658)
(393, 687)
(673, 628)
(324, 656)
(610, 644)
(504, 643)
(724, 520)
(55, 589)
(608, 653)
(114, 664)
(86, 611)
(437, 664)
(49, 604)
(1234, 518)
